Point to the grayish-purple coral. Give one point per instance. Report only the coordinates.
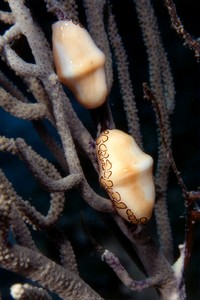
(53, 105)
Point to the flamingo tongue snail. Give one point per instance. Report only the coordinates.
(80, 64)
(126, 175)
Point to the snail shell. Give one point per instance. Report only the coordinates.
(126, 175)
(80, 64)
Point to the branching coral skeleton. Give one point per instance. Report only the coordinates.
(51, 105)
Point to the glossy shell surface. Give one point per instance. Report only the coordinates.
(126, 175)
(80, 64)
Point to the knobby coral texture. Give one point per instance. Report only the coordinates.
(110, 65)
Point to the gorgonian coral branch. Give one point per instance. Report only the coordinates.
(7, 17)
(9, 36)
(123, 275)
(36, 266)
(28, 292)
(179, 27)
(124, 78)
(28, 111)
(47, 175)
(191, 197)
(161, 81)
(155, 264)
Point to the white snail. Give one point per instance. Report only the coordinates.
(126, 175)
(79, 63)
